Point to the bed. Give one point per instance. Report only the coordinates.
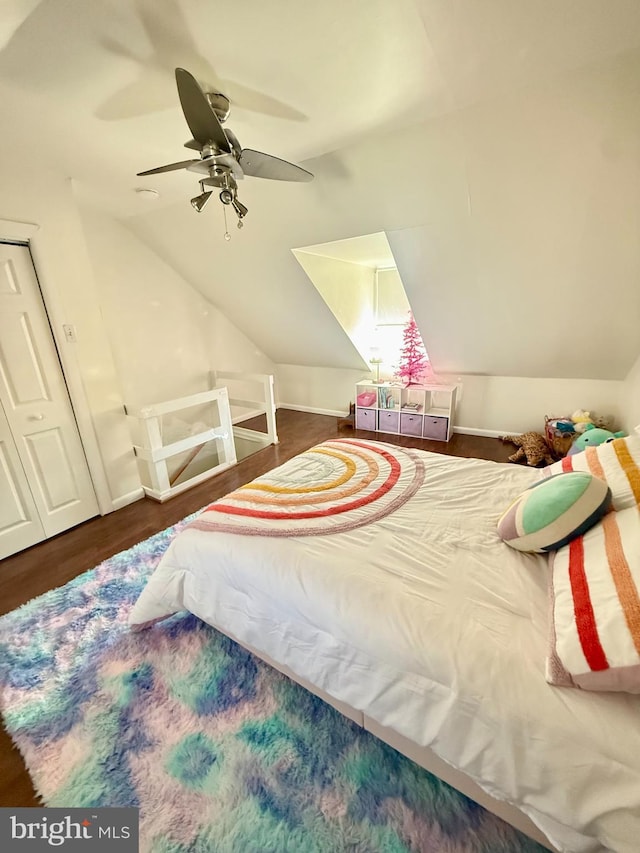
(374, 575)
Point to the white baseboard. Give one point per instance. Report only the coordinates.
(245, 416)
(489, 433)
(313, 410)
(129, 498)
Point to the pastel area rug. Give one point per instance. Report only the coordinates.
(219, 752)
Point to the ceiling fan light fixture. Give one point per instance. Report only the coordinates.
(239, 208)
(222, 158)
(198, 203)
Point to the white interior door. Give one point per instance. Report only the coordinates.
(20, 524)
(34, 397)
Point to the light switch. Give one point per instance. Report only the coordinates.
(69, 333)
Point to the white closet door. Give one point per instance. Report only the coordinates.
(19, 520)
(35, 400)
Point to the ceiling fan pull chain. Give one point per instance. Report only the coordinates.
(227, 236)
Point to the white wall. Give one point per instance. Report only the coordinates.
(487, 405)
(268, 296)
(324, 390)
(630, 399)
(157, 333)
(348, 290)
(392, 305)
(165, 336)
(494, 405)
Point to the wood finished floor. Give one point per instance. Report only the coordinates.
(52, 563)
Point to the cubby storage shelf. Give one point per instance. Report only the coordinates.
(424, 411)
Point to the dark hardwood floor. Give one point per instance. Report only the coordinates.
(52, 563)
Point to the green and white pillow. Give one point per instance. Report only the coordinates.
(554, 511)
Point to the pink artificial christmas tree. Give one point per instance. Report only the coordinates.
(414, 366)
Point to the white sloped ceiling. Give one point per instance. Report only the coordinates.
(514, 225)
(496, 143)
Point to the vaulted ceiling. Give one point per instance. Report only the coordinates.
(497, 143)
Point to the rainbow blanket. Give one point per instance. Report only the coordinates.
(333, 487)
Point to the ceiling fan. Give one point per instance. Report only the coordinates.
(222, 159)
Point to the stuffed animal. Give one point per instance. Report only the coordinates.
(532, 447)
(603, 422)
(560, 425)
(592, 437)
(581, 419)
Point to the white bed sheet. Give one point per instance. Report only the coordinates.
(429, 624)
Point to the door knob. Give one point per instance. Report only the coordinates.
(37, 417)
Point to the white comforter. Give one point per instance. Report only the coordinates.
(425, 621)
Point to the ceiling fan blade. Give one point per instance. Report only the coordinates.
(203, 122)
(172, 167)
(260, 165)
(257, 102)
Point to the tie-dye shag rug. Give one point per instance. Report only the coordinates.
(221, 753)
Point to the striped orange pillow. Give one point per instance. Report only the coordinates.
(595, 607)
(616, 462)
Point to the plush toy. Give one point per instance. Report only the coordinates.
(592, 437)
(581, 419)
(532, 447)
(603, 421)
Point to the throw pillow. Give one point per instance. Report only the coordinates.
(595, 608)
(616, 462)
(554, 511)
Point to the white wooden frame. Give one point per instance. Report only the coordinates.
(155, 453)
(262, 404)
